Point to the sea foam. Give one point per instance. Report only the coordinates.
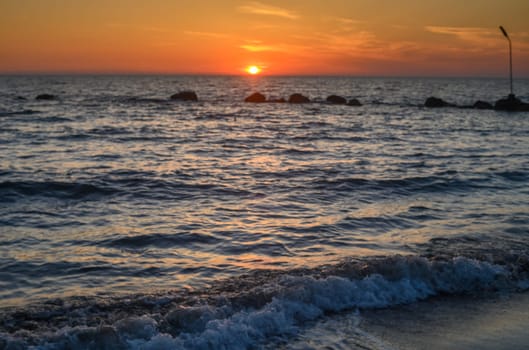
(262, 310)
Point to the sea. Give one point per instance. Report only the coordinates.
(132, 221)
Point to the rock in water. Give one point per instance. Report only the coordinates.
(48, 97)
(337, 100)
(354, 102)
(298, 98)
(185, 96)
(511, 104)
(482, 105)
(434, 102)
(256, 97)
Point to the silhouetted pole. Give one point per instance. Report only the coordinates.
(510, 54)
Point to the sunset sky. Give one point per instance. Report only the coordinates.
(296, 37)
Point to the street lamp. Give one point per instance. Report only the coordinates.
(510, 56)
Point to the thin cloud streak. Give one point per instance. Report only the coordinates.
(258, 47)
(480, 39)
(257, 8)
(462, 32)
(206, 34)
(344, 20)
(469, 34)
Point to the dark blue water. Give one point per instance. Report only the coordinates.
(113, 192)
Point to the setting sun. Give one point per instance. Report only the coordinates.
(253, 70)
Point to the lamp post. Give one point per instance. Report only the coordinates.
(510, 56)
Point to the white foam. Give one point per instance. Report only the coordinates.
(299, 299)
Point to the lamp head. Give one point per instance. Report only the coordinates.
(504, 32)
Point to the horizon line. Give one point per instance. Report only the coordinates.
(95, 73)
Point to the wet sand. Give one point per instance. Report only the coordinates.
(498, 322)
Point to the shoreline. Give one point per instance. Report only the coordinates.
(498, 322)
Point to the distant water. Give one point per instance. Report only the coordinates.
(131, 221)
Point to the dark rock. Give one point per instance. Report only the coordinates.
(354, 102)
(21, 98)
(185, 96)
(434, 102)
(482, 105)
(511, 104)
(337, 100)
(298, 98)
(256, 97)
(48, 97)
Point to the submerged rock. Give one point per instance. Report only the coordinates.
(482, 105)
(337, 100)
(185, 96)
(256, 97)
(298, 98)
(434, 102)
(354, 102)
(511, 104)
(277, 100)
(48, 97)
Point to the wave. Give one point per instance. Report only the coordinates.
(139, 99)
(244, 312)
(54, 189)
(123, 99)
(293, 151)
(185, 187)
(104, 186)
(55, 119)
(434, 183)
(515, 176)
(31, 270)
(23, 112)
(30, 112)
(160, 240)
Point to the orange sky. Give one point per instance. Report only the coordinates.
(352, 37)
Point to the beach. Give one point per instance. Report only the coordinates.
(497, 322)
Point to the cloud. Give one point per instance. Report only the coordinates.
(258, 8)
(475, 39)
(344, 20)
(473, 34)
(260, 48)
(343, 24)
(360, 43)
(206, 34)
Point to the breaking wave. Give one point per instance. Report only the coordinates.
(241, 313)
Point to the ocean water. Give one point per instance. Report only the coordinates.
(131, 221)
